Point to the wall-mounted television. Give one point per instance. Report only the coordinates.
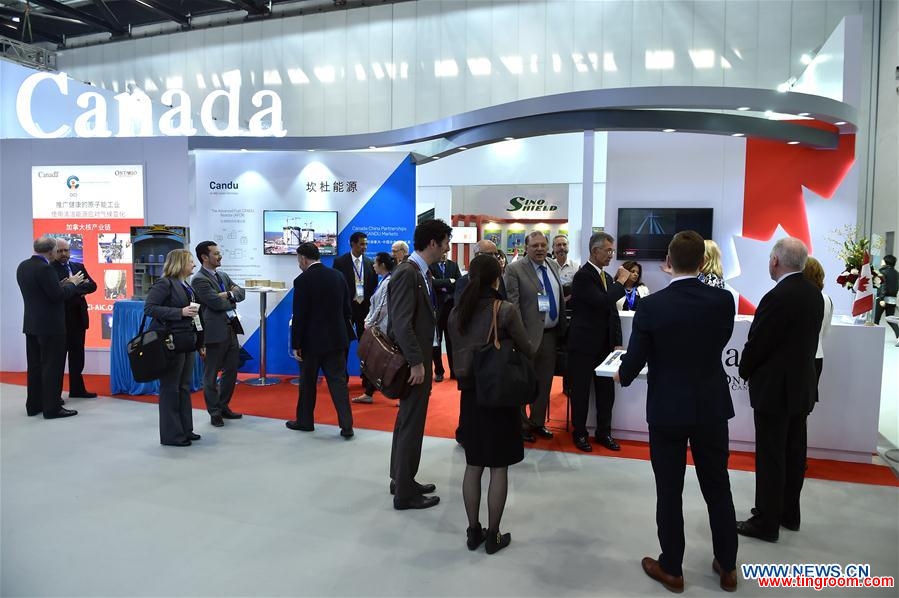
(285, 230)
(644, 233)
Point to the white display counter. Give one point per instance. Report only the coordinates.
(843, 425)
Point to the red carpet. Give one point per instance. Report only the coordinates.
(279, 402)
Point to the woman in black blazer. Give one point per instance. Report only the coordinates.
(172, 306)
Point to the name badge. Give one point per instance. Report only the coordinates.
(543, 303)
(360, 290)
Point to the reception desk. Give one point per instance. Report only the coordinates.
(843, 425)
(126, 318)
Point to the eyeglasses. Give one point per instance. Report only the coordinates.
(493, 253)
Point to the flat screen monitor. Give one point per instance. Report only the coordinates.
(465, 234)
(644, 233)
(285, 230)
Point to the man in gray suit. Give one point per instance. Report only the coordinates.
(533, 285)
(218, 297)
(411, 312)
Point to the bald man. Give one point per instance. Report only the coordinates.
(779, 363)
(77, 321)
(483, 247)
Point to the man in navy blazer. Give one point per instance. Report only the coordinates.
(779, 363)
(680, 333)
(77, 321)
(320, 338)
(44, 325)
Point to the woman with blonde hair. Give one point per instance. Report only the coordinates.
(171, 304)
(712, 272)
(814, 273)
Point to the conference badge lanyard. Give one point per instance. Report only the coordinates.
(542, 300)
(218, 278)
(360, 281)
(430, 289)
(630, 296)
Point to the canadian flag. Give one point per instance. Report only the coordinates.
(864, 289)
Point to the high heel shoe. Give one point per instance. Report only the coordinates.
(476, 537)
(497, 541)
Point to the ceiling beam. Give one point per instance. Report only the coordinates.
(160, 7)
(38, 32)
(253, 7)
(88, 19)
(107, 12)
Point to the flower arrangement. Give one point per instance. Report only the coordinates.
(848, 247)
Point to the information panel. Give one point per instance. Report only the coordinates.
(93, 207)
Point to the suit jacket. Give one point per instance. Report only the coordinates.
(680, 333)
(344, 264)
(779, 357)
(321, 312)
(214, 309)
(462, 282)
(76, 306)
(164, 302)
(444, 288)
(522, 287)
(595, 325)
(43, 296)
(411, 317)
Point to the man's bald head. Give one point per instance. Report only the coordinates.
(62, 251)
(44, 245)
(486, 246)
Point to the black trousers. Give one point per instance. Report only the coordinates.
(581, 376)
(668, 454)
(46, 358)
(75, 353)
(359, 312)
(333, 365)
(443, 313)
(888, 310)
(224, 356)
(175, 411)
(408, 433)
(780, 450)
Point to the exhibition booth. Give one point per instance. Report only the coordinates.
(81, 174)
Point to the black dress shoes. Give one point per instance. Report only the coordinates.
(608, 442)
(228, 414)
(217, 421)
(63, 412)
(192, 436)
(347, 433)
(751, 529)
(438, 378)
(83, 395)
(543, 432)
(418, 488)
(497, 541)
(295, 425)
(581, 443)
(793, 527)
(527, 436)
(475, 537)
(32, 413)
(182, 443)
(416, 502)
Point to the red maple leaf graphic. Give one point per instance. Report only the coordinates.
(863, 283)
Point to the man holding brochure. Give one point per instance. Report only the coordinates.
(679, 333)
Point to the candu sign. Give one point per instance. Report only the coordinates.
(135, 112)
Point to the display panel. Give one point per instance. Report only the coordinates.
(465, 234)
(644, 233)
(285, 230)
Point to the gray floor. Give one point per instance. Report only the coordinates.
(94, 506)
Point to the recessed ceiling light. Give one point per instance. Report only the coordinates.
(792, 143)
(310, 150)
(668, 130)
(736, 134)
(803, 114)
(743, 108)
(462, 149)
(435, 157)
(372, 147)
(243, 149)
(840, 123)
(512, 138)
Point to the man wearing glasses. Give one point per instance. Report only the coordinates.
(484, 247)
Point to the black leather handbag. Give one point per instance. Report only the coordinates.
(503, 376)
(149, 353)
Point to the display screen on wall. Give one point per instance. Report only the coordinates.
(644, 233)
(285, 230)
(465, 234)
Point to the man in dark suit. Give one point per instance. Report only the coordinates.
(77, 321)
(444, 273)
(483, 247)
(680, 332)
(533, 285)
(44, 325)
(218, 297)
(779, 363)
(411, 313)
(595, 331)
(361, 281)
(320, 337)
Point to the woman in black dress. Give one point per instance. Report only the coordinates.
(491, 436)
